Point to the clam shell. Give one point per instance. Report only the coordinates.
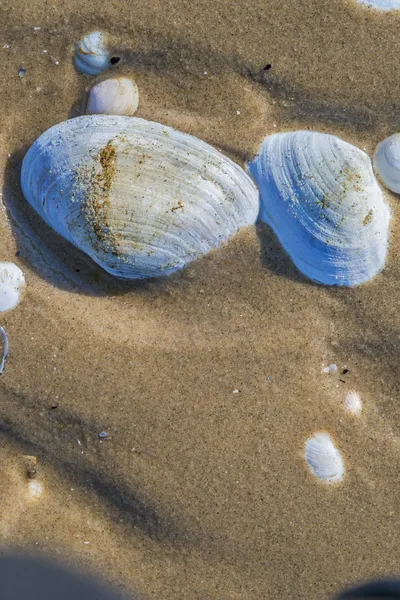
(323, 459)
(118, 96)
(387, 162)
(353, 403)
(11, 283)
(320, 196)
(140, 198)
(91, 56)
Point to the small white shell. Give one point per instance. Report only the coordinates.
(91, 56)
(387, 162)
(35, 490)
(320, 196)
(140, 198)
(332, 368)
(323, 459)
(118, 96)
(353, 403)
(11, 282)
(381, 4)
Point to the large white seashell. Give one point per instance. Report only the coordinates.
(320, 196)
(387, 162)
(118, 96)
(140, 198)
(323, 459)
(91, 56)
(11, 283)
(352, 403)
(381, 4)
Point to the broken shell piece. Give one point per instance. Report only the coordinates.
(11, 282)
(35, 490)
(323, 459)
(330, 369)
(91, 56)
(387, 162)
(353, 403)
(5, 349)
(119, 96)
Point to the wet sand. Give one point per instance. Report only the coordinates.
(199, 492)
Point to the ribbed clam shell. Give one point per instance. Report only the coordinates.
(91, 56)
(323, 459)
(353, 403)
(11, 283)
(118, 96)
(387, 162)
(140, 198)
(321, 198)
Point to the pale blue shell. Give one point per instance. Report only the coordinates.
(91, 56)
(387, 162)
(320, 196)
(140, 198)
(323, 459)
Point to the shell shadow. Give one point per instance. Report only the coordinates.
(275, 259)
(50, 439)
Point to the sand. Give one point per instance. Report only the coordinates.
(200, 492)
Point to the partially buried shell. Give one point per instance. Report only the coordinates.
(12, 281)
(119, 96)
(140, 198)
(323, 459)
(387, 162)
(91, 55)
(320, 196)
(353, 403)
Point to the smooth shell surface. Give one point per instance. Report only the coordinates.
(118, 96)
(320, 196)
(323, 459)
(91, 56)
(387, 162)
(11, 283)
(353, 403)
(140, 198)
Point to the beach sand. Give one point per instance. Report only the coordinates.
(200, 492)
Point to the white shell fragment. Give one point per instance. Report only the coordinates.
(323, 459)
(353, 403)
(91, 56)
(5, 349)
(381, 4)
(118, 96)
(320, 196)
(140, 198)
(387, 162)
(11, 282)
(330, 368)
(35, 490)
